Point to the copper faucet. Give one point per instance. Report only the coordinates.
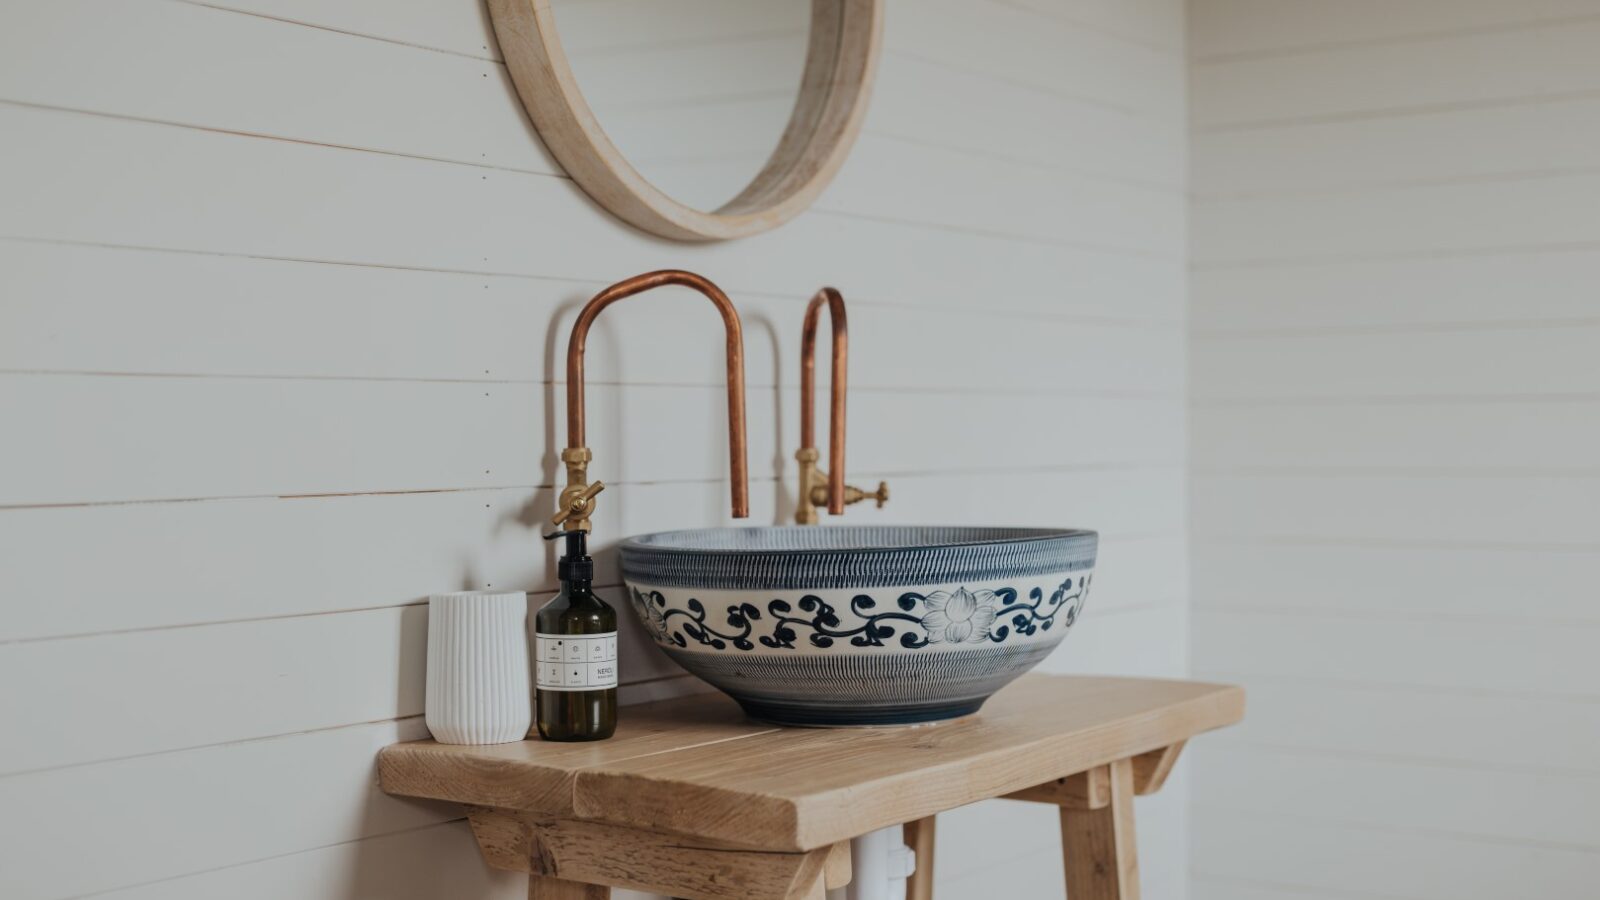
(577, 498)
(814, 493)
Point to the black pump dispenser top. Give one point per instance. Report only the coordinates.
(576, 565)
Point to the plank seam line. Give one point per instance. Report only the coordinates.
(1409, 760)
(1395, 112)
(754, 479)
(997, 392)
(218, 7)
(266, 136)
(1495, 619)
(213, 745)
(1396, 185)
(1164, 189)
(284, 736)
(1140, 323)
(1312, 332)
(1497, 840)
(1224, 402)
(1007, 236)
(1177, 52)
(1487, 473)
(269, 858)
(1415, 37)
(1391, 687)
(1394, 544)
(1345, 259)
(1304, 890)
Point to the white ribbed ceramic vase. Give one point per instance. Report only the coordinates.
(479, 688)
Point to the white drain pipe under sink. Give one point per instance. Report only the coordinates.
(880, 863)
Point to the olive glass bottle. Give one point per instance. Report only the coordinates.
(576, 650)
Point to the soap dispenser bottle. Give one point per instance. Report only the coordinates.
(576, 653)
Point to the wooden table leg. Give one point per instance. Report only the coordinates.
(918, 836)
(1097, 844)
(542, 887)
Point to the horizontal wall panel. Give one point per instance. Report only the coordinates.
(1287, 26)
(1333, 156)
(917, 98)
(357, 552)
(1550, 59)
(462, 30)
(342, 205)
(1203, 886)
(1021, 48)
(1145, 21)
(245, 318)
(1396, 580)
(122, 695)
(1549, 359)
(1144, 643)
(1505, 288)
(1547, 511)
(160, 438)
(1508, 655)
(1519, 435)
(891, 178)
(454, 108)
(78, 830)
(1503, 806)
(422, 864)
(1531, 212)
(1388, 862)
(340, 90)
(182, 438)
(1428, 727)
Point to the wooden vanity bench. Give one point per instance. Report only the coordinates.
(692, 799)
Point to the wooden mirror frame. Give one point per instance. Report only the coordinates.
(841, 59)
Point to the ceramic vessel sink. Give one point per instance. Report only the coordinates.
(859, 625)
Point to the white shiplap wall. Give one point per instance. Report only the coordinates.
(1396, 366)
(284, 284)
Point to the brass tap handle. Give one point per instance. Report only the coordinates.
(581, 504)
(856, 495)
(852, 494)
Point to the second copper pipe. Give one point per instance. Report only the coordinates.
(808, 389)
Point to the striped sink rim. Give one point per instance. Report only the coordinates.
(850, 556)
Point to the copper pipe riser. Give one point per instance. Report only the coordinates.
(577, 456)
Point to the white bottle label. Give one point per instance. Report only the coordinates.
(576, 662)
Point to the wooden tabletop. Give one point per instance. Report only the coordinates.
(698, 766)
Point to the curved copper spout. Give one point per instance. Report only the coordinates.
(808, 389)
(576, 456)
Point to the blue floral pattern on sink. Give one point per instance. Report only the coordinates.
(946, 616)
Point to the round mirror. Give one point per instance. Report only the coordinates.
(694, 119)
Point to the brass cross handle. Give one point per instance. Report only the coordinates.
(580, 503)
(852, 494)
(856, 495)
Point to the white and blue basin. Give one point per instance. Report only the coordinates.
(859, 625)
